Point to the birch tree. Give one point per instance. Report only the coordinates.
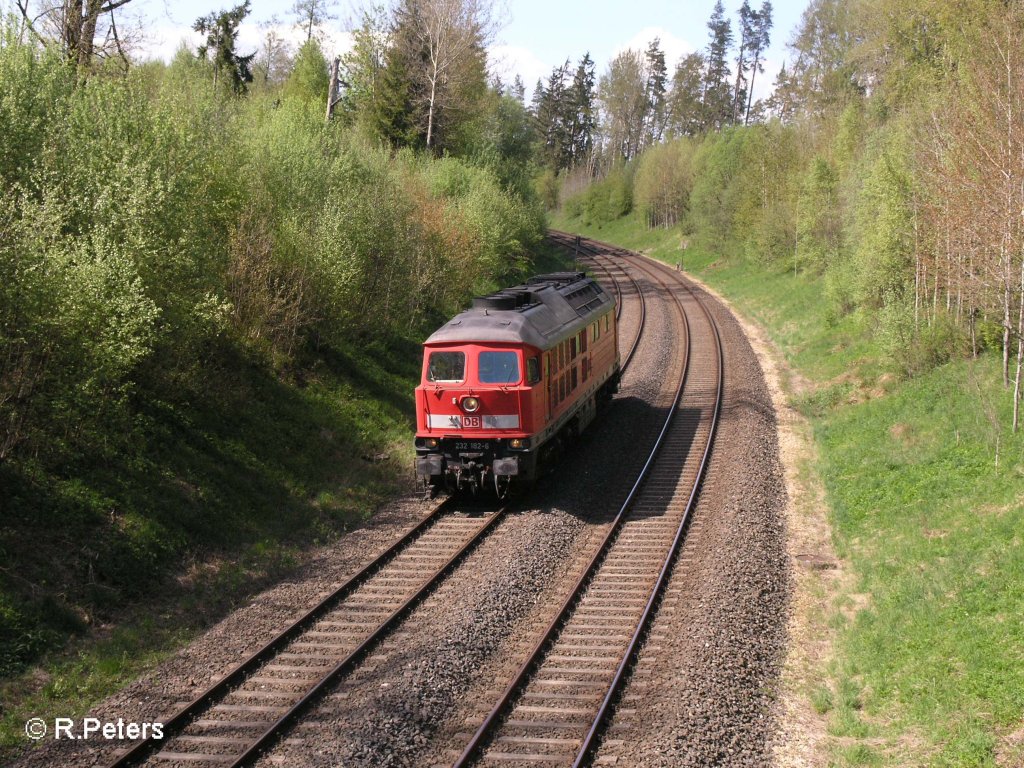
(84, 29)
(450, 36)
(975, 164)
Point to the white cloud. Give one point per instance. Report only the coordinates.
(674, 47)
(507, 61)
(764, 83)
(162, 41)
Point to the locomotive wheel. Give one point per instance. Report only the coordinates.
(503, 486)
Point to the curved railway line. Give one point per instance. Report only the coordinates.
(245, 711)
(556, 707)
(610, 273)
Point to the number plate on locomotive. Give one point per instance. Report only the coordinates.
(471, 422)
(461, 446)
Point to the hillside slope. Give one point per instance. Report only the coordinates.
(924, 484)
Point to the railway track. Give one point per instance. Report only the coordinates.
(248, 709)
(555, 708)
(568, 241)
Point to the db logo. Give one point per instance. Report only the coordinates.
(471, 422)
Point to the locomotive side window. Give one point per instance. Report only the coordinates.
(498, 368)
(572, 348)
(575, 380)
(583, 340)
(447, 366)
(606, 318)
(532, 370)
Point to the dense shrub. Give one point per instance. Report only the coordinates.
(151, 219)
(607, 199)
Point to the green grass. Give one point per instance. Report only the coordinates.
(929, 668)
(108, 566)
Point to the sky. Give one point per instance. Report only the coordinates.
(537, 35)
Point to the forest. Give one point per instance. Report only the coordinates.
(887, 162)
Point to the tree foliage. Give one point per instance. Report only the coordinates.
(891, 168)
(221, 30)
(152, 221)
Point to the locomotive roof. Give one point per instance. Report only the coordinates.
(541, 312)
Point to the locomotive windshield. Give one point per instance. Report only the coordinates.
(498, 368)
(447, 366)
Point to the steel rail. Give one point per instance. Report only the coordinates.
(141, 750)
(643, 308)
(565, 240)
(540, 647)
(621, 673)
(378, 634)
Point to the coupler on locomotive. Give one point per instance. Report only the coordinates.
(474, 467)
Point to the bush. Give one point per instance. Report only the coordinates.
(916, 348)
(664, 180)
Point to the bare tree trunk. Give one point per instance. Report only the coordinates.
(1020, 350)
(1007, 297)
(332, 89)
(86, 41)
(750, 88)
(430, 108)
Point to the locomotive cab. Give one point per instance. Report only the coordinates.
(474, 403)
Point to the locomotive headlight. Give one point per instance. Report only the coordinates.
(430, 442)
(517, 442)
(470, 404)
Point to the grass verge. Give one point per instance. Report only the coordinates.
(929, 665)
(108, 566)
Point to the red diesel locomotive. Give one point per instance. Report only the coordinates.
(508, 382)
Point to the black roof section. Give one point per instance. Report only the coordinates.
(543, 311)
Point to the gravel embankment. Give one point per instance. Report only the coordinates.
(703, 690)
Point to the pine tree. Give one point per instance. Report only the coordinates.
(581, 107)
(362, 69)
(748, 32)
(716, 98)
(518, 90)
(552, 115)
(397, 114)
(537, 99)
(761, 41)
(657, 81)
(685, 108)
(221, 30)
(447, 42)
